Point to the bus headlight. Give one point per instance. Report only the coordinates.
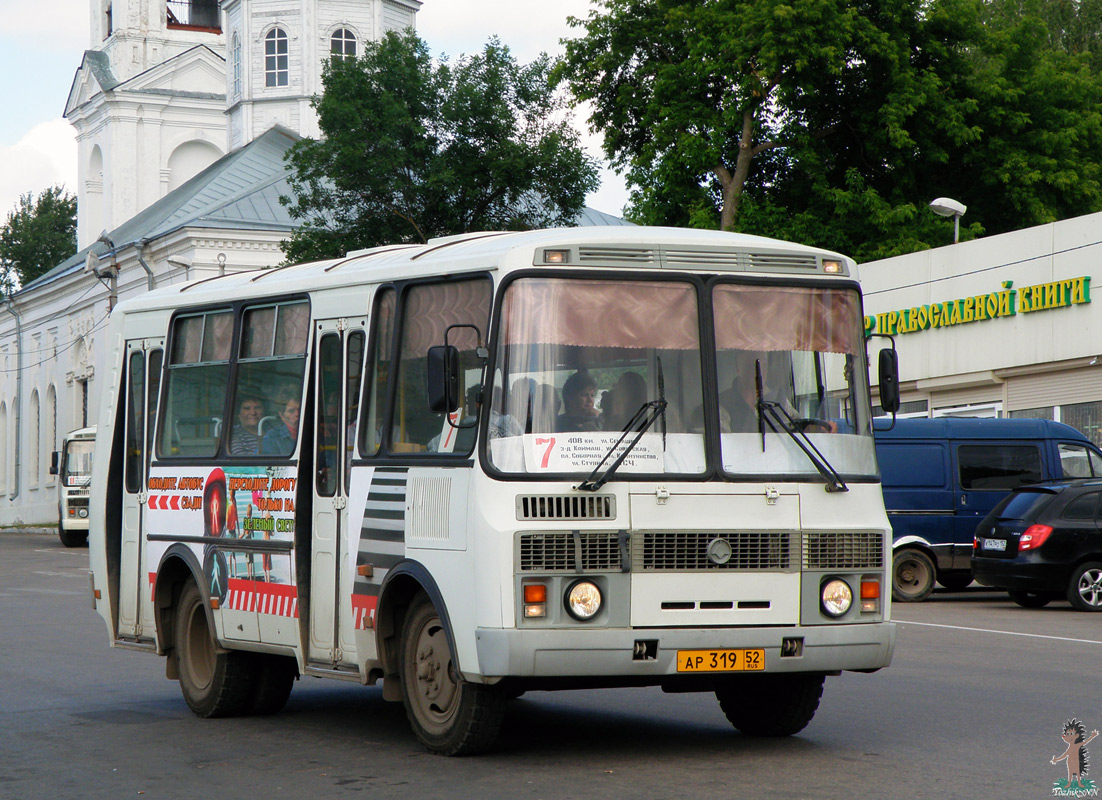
(583, 600)
(837, 597)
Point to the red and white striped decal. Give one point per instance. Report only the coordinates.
(363, 611)
(165, 502)
(277, 599)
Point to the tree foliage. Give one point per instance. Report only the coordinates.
(414, 149)
(39, 233)
(835, 123)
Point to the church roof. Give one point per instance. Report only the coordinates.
(239, 191)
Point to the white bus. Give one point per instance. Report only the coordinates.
(497, 463)
(73, 466)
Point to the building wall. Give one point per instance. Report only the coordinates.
(1041, 350)
(64, 339)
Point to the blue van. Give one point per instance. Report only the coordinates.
(942, 476)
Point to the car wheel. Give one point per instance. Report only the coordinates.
(1085, 587)
(1030, 599)
(912, 576)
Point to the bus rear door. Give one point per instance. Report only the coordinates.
(143, 376)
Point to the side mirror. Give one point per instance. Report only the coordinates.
(889, 380)
(55, 462)
(443, 378)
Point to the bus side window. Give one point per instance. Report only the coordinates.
(428, 312)
(375, 395)
(196, 375)
(267, 396)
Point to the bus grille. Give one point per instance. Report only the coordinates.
(843, 550)
(695, 551)
(566, 506)
(570, 551)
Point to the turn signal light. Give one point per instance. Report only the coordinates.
(535, 600)
(1034, 537)
(870, 596)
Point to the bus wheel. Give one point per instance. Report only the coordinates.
(912, 576)
(213, 684)
(771, 705)
(449, 715)
(274, 680)
(73, 538)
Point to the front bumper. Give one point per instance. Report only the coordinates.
(608, 653)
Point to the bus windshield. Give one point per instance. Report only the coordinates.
(578, 357)
(78, 462)
(800, 352)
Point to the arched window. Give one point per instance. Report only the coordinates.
(236, 56)
(275, 58)
(342, 44)
(5, 477)
(36, 439)
(51, 421)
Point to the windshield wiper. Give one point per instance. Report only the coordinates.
(775, 414)
(643, 419)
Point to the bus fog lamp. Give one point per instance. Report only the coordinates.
(583, 600)
(837, 597)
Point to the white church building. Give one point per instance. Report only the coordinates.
(183, 110)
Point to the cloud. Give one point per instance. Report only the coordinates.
(45, 156)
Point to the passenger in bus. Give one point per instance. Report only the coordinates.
(245, 436)
(579, 396)
(623, 401)
(280, 440)
(741, 399)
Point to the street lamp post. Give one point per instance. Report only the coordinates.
(947, 207)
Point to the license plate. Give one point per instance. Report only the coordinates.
(720, 660)
(994, 544)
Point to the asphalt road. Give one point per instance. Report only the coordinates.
(973, 707)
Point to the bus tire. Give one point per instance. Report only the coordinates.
(448, 715)
(771, 705)
(913, 576)
(213, 684)
(275, 678)
(73, 538)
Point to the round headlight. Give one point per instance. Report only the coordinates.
(83, 513)
(583, 600)
(837, 597)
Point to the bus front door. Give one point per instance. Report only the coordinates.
(338, 362)
(143, 375)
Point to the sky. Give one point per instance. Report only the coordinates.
(41, 44)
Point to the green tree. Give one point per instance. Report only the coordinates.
(39, 234)
(834, 122)
(414, 149)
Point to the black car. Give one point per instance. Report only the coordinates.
(1044, 542)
